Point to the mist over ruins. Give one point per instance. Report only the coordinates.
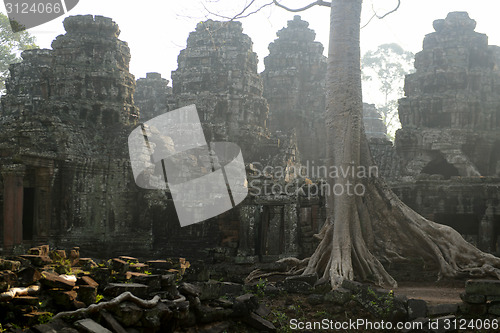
(66, 185)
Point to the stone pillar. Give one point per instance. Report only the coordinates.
(248, 221)
(291, 230)
(43, 206)
(486, 234)
(12, 205)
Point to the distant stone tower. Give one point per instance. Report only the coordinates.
(450, 118)
(152, 96)
(294, 85)
(218, 72)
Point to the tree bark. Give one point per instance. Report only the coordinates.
(363, 230)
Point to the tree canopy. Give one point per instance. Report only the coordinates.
(11, 45)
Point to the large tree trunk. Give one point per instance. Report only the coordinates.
(363, 230)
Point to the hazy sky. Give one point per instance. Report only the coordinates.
(156, 30)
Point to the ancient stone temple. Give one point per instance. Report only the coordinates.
(450, 115)
(449, 141)
(152, 95)
(294, 86)
(217, 71)
(63, 153)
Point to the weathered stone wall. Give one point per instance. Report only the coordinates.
(450, 115)
(65, 119)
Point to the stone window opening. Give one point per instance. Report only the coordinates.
(440, 166)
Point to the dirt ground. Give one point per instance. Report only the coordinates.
(434, 293)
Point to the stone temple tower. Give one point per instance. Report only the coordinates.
(294, 85)
(450, 118)
(218, 72)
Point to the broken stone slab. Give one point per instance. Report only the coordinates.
(53, 280)
(63, 299)
(297, 286)
(139, 267)
(87, 280)
(129, 259)
(160, 264)
(338, 296)
(259, 323)
(57, 255)
(245, 304)
(167, 280)
(90, 326)
(494, 309)
(119, 265)
(152, 281)
(483, 287)
(127, 313)
(112, 322)
(26, 300)
(28, 276)
(473, 298)
(154, 317)
(189, 289)
(9, 265)
(137, 289)
(417, 308)
(38, 261)
(7, 280)
(42, 250)
(354, 286)
(87, 294)
(315, 299)
(472, 309)
(442, 309)
(86, 263)
(207, 314)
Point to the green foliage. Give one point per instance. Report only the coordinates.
(383, 305)
(45, 317)
(63, 265)
(281, 321)
(99, 298)
(260, 287)
(11, 45)
(385, 70)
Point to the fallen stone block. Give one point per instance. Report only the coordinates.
(53, 280)
(115, 289)
(87, 280)
(160, 264)
(338, 296)
(189, 289)
(442, 309)
(417, 308)
(87, 294)
(9, 265)
(245, 304)
(119, 266)
(297, 286)
(90, 326)
(112, 322)
(483, 287)
(473, 298)
(38, 261)
(152, 281)
(28, 276)
(259, 323)
(494, 309)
